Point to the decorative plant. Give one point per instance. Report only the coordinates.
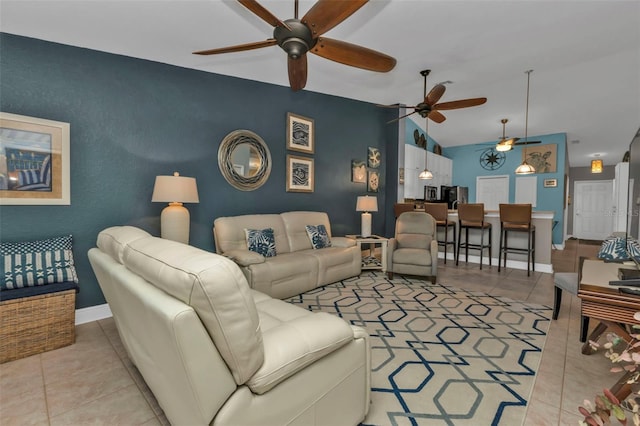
(607, 406)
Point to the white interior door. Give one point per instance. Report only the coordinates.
(592, 219)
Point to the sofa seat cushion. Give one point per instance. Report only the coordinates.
(275, 275)
(293, 339)
(411, 256)
(332, 261)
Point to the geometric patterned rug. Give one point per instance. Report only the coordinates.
(440, 355)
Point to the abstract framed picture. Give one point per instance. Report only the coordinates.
(373, 181)
(299, 174)
(543, 158)
(358, 171)
(300, 133)
(373, 157)
(34, 161)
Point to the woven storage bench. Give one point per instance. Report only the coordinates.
(35, 324)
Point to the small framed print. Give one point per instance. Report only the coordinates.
(299, 174)
(373, 157)
(300, 133)
(550, 183)
(373, 181)
(358, 171)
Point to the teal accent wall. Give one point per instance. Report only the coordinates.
(466, 167)
(132, 120)
(410, 127)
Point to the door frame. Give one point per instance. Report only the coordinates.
(575, 201)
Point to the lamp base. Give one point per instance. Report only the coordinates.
(174, 223)
(365, 230)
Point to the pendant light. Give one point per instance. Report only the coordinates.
(426, 174)
(526, 168)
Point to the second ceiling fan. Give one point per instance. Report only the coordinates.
(299, 36)
(429, 108)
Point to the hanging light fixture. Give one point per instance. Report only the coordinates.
(596, 166)
(426, 174)
(526, 168)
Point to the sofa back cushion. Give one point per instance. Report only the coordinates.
(229, 232)
(213, 285)
(295, 224)
(113, 240)
(415, 230)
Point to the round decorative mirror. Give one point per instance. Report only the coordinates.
(244, 160)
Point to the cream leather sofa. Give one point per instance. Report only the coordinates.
(297, 267)
(213, 351)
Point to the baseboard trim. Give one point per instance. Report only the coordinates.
(93, 313)
(514, 264)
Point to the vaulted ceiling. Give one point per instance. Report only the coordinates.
(585, 56)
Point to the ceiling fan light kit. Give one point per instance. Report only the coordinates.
(299, 36)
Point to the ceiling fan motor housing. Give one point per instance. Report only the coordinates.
(297, 41)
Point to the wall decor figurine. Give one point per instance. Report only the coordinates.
(373, 182)
(300, 133)
(299, 174)
(358, 171)
(373, 157)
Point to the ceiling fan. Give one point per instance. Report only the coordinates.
(506, 144)
(299, 36)
(429, 108)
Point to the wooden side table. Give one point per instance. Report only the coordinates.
(371, 261)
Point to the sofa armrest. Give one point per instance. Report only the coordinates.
(434, 257)
(244, 257)
(293, 345)
(342, 242)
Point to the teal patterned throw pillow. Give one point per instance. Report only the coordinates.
(318, 236)
(618, 248)
(261, 241)
(33, 263)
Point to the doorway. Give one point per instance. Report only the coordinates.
(592, 219)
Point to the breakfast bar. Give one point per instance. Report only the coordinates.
(542, 220)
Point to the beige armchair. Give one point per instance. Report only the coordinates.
(414, 249)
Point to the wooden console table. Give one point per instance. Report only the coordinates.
(606, 304)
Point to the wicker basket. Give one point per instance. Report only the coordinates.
(36, 324)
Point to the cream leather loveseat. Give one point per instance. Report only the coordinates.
(297, 267)
(213, 351)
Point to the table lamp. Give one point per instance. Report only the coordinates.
(366, 204)
(175, 190)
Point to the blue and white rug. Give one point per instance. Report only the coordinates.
(440, 355)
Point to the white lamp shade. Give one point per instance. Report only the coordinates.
(525, 169)
(425, 174)
(366, 203)
(175, 189)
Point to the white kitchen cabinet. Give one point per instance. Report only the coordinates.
(414, 163)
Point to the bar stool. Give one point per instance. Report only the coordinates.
(399, 208)
(471, 216)
(517, 218)
(440, 213)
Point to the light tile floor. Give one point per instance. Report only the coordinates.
(93, 381)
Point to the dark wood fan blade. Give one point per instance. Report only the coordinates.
(435, 94)
(326, 14)
(395, 106)
(436, 116)
(297, 72)
(527, 142)
(263, 13)
(353, 55)
(463, 103)
(400, 118)
(238, 48)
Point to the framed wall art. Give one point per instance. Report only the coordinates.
(34, 161)
(300, 133)
(299, 174)
(373, 181)
(373, 157)
(358, 171)
(543, 158)
(550, 183)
